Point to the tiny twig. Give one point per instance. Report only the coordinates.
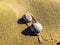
(34, 20)
(39, 40)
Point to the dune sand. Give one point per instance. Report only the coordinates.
(46, 12)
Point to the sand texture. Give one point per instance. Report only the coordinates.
(46, 12)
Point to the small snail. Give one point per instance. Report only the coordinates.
(27, 18)
(36, 28)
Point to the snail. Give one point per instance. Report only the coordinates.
(27, 18)
(36, 28)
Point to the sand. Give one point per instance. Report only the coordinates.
(46, 12)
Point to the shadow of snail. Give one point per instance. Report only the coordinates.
(58, 43)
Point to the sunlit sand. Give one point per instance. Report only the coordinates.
(46, 12)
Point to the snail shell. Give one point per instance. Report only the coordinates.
(36, 28)
(27, 18)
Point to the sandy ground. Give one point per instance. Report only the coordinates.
(47, 12)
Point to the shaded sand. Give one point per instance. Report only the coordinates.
(47, 12)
